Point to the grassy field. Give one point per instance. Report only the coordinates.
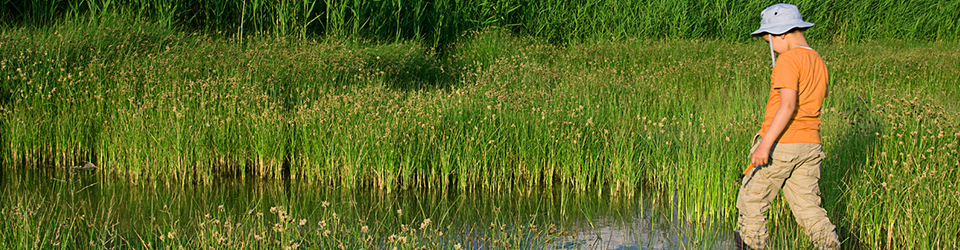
(489, 111)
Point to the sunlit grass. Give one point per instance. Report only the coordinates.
(82, 210)
(491, 112)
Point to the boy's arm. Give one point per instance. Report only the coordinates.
(788, 105)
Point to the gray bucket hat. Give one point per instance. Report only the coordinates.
(780, 18)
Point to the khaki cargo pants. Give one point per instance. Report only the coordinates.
(794, 168)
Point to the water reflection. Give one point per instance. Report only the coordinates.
(121, 213)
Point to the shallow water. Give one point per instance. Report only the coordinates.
(122, 213)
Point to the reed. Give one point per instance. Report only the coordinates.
(437, 23)
(493, 111)
(77, 210)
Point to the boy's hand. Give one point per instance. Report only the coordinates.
(760, 156)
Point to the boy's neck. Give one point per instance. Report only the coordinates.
(796, 40)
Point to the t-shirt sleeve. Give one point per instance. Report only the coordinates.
(786, 74)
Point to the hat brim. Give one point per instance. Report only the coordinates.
(781, 28)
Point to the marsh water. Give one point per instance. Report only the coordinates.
(125, 212)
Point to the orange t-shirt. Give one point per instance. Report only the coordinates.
(803, 70)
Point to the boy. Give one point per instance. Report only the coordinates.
(789, 154)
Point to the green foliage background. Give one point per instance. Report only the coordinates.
(638, 96)
(438, 22)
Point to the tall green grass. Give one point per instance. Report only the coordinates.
(81, 210)
(439, 22)
(494, 112)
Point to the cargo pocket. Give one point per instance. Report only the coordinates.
(757, 189)
(815, 165)
(783, 153)
(783, 160)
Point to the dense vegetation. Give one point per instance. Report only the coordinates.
(385, 98)
(438, 22)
